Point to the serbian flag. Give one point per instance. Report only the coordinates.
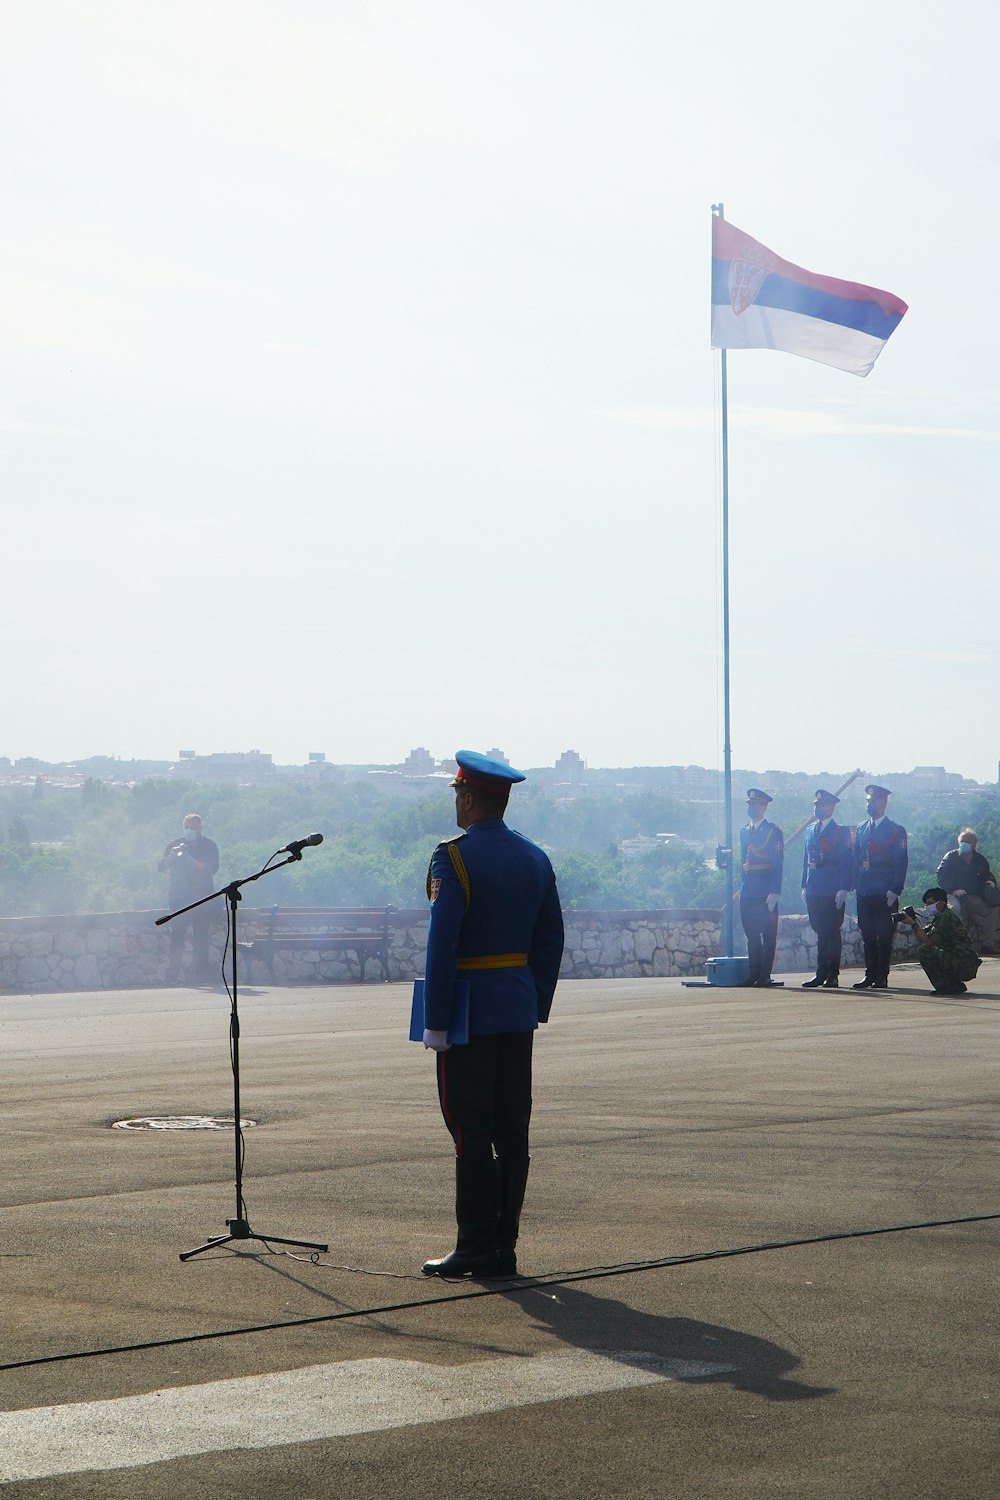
(760, 301)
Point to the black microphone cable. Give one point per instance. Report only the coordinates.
(505, 1288)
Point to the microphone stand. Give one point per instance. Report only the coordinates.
(239, 1227)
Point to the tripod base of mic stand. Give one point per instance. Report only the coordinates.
(239, 1229)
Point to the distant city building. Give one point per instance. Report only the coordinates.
(571, 767)
(644, 843)
(635, 848)
(240, 766)
(693, 783)
(930, 778)
(419, 762)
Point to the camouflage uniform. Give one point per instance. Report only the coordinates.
(949, 958)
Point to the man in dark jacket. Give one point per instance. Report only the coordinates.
(495, 924)
(972, 891)
(191, 862)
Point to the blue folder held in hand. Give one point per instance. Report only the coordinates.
(458, 1031)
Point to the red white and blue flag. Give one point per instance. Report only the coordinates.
(760, 301)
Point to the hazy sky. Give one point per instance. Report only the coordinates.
(356, 390)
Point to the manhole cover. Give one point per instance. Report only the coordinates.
(179, 1122)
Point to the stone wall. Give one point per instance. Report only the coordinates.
(126, 950)
(634, 944)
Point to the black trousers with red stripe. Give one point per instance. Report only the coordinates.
(484, 1088)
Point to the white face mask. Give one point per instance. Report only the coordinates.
(190, 834)
(965, 848)
(930, 911)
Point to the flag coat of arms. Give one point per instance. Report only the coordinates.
(760, 301)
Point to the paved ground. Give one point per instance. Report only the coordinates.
(669, 1121)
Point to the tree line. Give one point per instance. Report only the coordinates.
(95, 848)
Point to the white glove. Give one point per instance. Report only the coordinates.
(437, 1041)
(772, 902)
(958, 893)
(891, 898)
(839, 899)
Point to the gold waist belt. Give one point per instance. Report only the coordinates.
(493, 961)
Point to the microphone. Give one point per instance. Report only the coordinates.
(296, 847)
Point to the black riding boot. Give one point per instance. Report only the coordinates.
(513, 1181)
(476, 1210)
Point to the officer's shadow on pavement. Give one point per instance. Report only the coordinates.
(682, 1347)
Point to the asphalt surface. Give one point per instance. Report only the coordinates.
(670, 1122)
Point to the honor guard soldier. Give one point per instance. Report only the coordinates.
(762, 858)
(880, 859)
(495, 922)
(827, 876)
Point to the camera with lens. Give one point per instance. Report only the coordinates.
(906, 915)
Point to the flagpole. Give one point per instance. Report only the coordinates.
(724, 855)
(855, 327)
(727, 969)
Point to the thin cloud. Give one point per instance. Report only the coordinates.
(787, 423)
(278, 346)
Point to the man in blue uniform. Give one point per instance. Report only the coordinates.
(880, 859)
(762, 859)
(827, 874)
(496, 923)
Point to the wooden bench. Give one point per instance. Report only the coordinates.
(361, 930)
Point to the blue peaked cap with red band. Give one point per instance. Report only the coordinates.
(483, 773)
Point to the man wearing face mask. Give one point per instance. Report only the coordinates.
(880, 860)
(972, 890)
(191, 861)
(945, 950)
(762, 858)
(827, 871)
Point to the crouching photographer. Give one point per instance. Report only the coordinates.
(945, 950)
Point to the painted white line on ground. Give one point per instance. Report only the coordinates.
(300, 1406)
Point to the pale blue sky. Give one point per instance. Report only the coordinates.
(356, 390)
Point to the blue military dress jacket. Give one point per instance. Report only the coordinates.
(762, 858)
(880, 858)
(827, 860)
(497, 922)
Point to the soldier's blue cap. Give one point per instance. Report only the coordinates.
(482, 773)
(756, 795)
(822, 796)
(877, 791)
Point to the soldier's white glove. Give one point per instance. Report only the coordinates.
(772, 902)
(437, 1041)
(959, 893)
(839, 899)
(891, 898)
